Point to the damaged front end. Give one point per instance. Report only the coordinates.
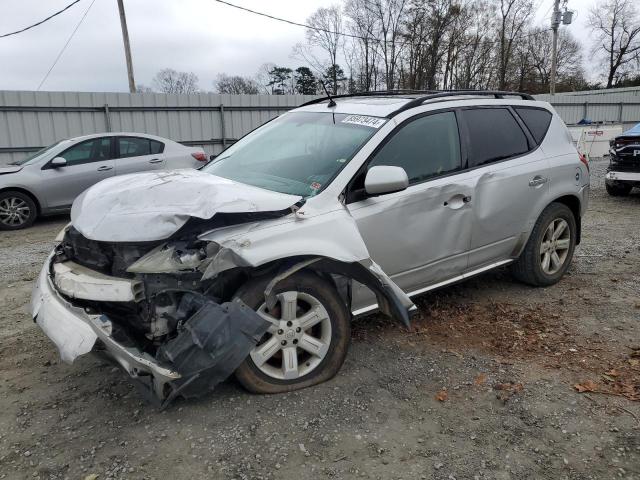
(166, 310)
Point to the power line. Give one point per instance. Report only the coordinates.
(41, 21)
(335, 32)
(66, 45)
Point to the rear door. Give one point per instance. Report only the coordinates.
(419, 236)
(138, 154)
(88, 162)
(512, 182)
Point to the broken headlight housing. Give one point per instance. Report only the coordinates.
(170, 258)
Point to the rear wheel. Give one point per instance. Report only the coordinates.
(618, 189)
(307, 341)
(17, 210)
(549, 251)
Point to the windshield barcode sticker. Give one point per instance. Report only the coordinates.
(365, 120)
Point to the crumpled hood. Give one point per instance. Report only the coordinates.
(9, 169)
(152, 206)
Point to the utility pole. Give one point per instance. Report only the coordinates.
(556, 16)
(566, 17)
(127, 47)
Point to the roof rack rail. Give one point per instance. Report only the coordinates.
(373, 93)
(424, 96)
(416, 102)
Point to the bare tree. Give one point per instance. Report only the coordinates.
(538, 52)
(513, 18)
(616, 25)
(390, 15)
(235, 85)
(171, 81)
(141, 88)
(325, 35)
(364, 50)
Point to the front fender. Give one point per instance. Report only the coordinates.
(332, 236)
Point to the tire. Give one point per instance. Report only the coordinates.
(618, 189)
(530, 266)
(333, 333)
(17, 210)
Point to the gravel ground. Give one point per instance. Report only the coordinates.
(483, 387)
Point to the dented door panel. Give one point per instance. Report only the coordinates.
(426, 234)
(507, 196)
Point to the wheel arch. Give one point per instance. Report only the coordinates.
(574, 204)
(27, 193)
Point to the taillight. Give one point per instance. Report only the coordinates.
(585, 160)
(200, 156)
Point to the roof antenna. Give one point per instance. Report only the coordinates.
(331, 102)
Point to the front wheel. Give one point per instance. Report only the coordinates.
(307, 341)
(549, 251)
(17, 210)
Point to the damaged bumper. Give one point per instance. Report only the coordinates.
(76, 332)
(213, 342)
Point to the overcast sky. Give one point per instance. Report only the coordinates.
(200, 36)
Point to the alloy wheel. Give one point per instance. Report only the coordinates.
(14, 211)
(554, 247)
(298, 338)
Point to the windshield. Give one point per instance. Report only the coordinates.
(299, 153)
(33, 156)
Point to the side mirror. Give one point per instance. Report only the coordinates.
(385, 179)
(212, 157)
(58, 162)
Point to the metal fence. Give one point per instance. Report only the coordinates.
(32, 120)
(618, 105)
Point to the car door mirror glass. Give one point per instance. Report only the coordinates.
(58, 162)
(383, 179)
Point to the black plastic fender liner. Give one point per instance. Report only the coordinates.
(210, 345)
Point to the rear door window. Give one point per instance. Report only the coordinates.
(133, 147)
(537, 121)
(426, 147)
(494, 135)
(94, 150)
(156, 147)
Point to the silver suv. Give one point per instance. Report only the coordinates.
(256, 263)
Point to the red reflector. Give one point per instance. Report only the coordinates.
(201, 157)
(583, 159)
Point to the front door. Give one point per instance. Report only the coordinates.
(88, 162)
(419, 236)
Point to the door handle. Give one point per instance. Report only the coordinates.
(538, 180)
(155, 160)
(457, 201)
(104, 168)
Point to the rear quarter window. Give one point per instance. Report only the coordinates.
(537, 121)
(494, 135)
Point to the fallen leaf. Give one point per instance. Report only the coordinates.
(612, 373)
(480, 379)
(442, 395)
(588, 386)
(91, 476)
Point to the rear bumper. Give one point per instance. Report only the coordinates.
(75, 333)
(616, 176)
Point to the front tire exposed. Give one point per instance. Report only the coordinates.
(308, 340)
(549, 251)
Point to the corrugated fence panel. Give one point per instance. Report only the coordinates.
(29, 120)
